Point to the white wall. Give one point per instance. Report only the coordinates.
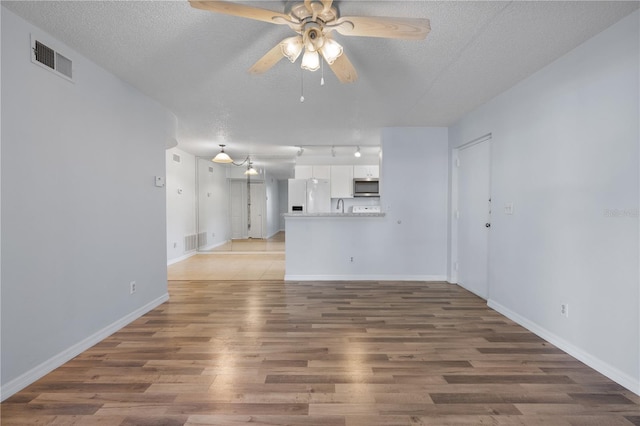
(213, 202)
(565, 153)
(409, 243)
(181, 202)
(81, 216)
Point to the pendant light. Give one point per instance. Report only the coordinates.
(222, 157)
(250, 170)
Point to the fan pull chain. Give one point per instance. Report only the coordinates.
(322, 70)
(301, 85)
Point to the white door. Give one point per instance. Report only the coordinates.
(238, 209)
(474, 220)
(258, 200)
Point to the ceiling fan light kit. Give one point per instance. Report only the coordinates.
(292, 47)
(310, 61)
(313, 21)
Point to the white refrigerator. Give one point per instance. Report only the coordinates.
(309, 196)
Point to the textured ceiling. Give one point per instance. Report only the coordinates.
(194, 62)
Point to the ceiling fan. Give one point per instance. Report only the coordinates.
(314, 21)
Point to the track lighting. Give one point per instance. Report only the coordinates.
(357, 154)
(300, 151)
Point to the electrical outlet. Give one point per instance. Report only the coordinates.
(132, 287)
(508, 208)
(564, 310)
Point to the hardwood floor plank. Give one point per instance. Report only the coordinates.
(328, 353)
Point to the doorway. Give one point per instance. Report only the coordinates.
(247, 209)
(473, 173)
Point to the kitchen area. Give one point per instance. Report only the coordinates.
(332, 190)
(332, 208)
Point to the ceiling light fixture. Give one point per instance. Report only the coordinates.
(292, 47)
(222, 157)
(331, 50)
(357, 154)
(250, 170)
(310, 61)
(300, 151)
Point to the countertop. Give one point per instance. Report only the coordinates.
(332, 215)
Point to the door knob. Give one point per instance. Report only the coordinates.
(487, 225)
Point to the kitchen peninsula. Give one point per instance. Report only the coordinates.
(332, 246)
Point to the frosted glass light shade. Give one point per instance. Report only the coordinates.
(251, 171)
(291, 48)
(310, 61)
(331, 50)
(222, 157)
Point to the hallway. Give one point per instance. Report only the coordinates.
(251, 260)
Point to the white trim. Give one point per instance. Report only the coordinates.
(181, 258)
(365, 277)
(475, 141)
(210, 247)
(620, 377)
(56, 361)
(274, 234)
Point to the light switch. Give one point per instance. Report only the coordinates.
(159, 181)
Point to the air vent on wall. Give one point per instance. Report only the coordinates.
(48, 58)
(176, 158)
(190, 242)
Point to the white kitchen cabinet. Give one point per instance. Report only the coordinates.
(322, 172)
(308, 172)
(341, 181)
(363, 172)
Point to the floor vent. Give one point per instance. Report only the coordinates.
(48, 58)
(202, 239)
(190, 242)
(176, 158)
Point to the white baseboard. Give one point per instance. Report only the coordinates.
(56, 361)
(212, 246)
(365, 277)
(181, 258)
(623, 379)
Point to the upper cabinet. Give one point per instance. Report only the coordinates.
(341, 181)
(363, 172)
(308, 172)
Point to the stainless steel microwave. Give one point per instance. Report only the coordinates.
(366, 187)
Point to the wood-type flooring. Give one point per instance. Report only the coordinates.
(322, 353)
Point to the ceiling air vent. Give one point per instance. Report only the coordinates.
(50, 59)
(176, 158)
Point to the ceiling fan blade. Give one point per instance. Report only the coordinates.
(344, 70)
(327, 4)
(373, 26)
(236, 9)
(267, 61)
